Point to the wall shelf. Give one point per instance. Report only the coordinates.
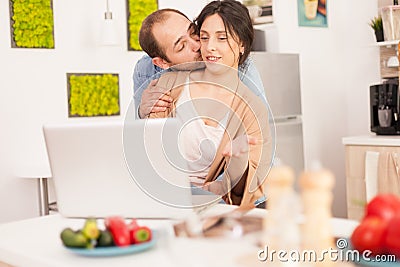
(389, 57)
(387, 43)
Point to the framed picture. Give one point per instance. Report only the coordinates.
(312, 13)
(94, 94)
(31, 24)
(137, 11)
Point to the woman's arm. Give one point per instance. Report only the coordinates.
(260, 159)
(248, 172)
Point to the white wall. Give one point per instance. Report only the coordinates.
(337, 65)
(33, 86)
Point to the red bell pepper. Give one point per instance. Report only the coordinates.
(139, 234)
(119, 230)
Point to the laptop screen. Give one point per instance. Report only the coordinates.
(101, 169)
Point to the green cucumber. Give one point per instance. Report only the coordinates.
(105, 239)
(74, 239)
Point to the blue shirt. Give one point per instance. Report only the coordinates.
(145, 71)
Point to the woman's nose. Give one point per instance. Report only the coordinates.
(211, 44)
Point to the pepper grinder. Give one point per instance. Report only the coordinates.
(281, 229)
(316, 187)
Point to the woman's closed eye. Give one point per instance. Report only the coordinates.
(219, 39)
(222, 37)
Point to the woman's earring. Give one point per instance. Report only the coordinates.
(241, 53)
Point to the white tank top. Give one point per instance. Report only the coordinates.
(198, 142)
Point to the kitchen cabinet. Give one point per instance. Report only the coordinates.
(372, 166)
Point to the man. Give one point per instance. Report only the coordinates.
(167, 36)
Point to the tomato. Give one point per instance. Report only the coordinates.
(370, 235)
(385, 206)
(392, 240)
(119, 230)
(139, 234)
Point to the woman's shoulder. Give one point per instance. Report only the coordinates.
(251, 100)
(172, 79)
(247, 94)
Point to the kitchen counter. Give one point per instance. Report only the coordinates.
(371, 168)
(372, 140)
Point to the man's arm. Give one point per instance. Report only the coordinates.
(154, 99)
(144, 87)
(250, 76)
(144, 70)
(147, 95)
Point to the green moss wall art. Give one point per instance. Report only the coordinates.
(32, 24)
(137, 11)
(93, 95)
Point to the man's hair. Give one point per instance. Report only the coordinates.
(147, 40)
(236, 20)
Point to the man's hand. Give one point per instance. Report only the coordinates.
(154, 99)
(239, 146)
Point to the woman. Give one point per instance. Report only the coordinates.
(224, 125)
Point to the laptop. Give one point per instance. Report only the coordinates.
(132, 169)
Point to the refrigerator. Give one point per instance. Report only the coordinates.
(280, 74)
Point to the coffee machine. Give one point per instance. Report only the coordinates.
(384, 108)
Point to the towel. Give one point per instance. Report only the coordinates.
(389, 173)
(371, 174)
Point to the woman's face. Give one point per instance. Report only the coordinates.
(217, 45)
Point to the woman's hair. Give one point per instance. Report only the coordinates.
(236, 20)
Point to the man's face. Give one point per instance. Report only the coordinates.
(176, 38)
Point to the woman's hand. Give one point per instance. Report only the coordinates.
(216, 187)
(236, 152)
(154, 99)
(239, 146)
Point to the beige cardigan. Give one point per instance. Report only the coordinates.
(250, 117)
